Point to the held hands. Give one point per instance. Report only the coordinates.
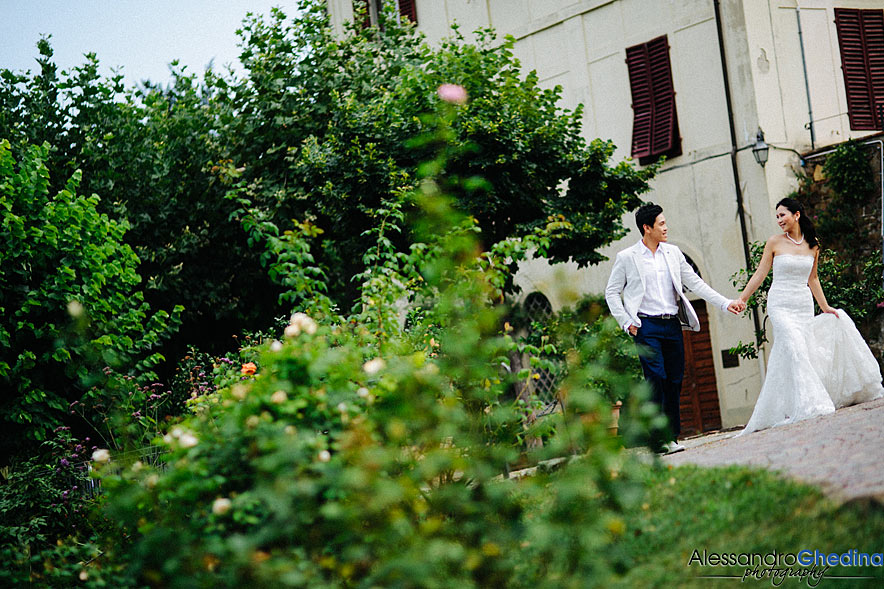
(736, 306)
(632, 329)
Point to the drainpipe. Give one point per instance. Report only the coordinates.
(806, 82)
(741, 213)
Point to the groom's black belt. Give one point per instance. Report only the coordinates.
(646, 316)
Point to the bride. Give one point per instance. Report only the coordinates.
(816, 364)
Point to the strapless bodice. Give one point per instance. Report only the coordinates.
(791, 270)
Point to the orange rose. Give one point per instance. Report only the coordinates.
(249, 369)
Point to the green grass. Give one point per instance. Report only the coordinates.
(738, 510)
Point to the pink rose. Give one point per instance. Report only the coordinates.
(452, 93)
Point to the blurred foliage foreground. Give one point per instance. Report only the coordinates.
(363, 453)
(362, 450)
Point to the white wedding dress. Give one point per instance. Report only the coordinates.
(817, 364)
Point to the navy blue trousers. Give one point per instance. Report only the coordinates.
(663, 365)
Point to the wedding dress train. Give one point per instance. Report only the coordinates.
(817, 364)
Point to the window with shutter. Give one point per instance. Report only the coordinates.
(655, 121)
(861, 40)
(406, 8)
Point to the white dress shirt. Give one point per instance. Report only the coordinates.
(660, 297)
(633, 274)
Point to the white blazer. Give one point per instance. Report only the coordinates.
(627, 280)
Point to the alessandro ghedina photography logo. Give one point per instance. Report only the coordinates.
(809, 566)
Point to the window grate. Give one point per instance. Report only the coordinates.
(538, 310)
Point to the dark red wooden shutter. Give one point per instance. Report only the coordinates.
(408, 9)
(366, 20)
(655, 122)
(861, 40)
(642, 99)
(665, 134)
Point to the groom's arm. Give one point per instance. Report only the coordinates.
(696, 285)
(613, 291)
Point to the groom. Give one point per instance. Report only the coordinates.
(645, 296)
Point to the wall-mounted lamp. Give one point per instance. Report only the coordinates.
(761, 149)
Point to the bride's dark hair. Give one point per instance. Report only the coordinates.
(807, 228)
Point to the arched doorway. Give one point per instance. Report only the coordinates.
(699, 408)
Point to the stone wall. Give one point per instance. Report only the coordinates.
(865, 237)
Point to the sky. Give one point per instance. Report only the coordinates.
(142, 36)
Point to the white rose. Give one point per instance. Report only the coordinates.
(324, 456)
(374, 365)
(362, 392)
(276, 346)
(309, 326)
(292, 331)
(302, 322)
(101, 455)
(188, 440)
(75, 309)
(221, 505)
(279, 397)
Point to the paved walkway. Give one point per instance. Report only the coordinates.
(842, 453)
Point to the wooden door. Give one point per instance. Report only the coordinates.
(699, 407)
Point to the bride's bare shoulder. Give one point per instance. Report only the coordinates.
(775, 242)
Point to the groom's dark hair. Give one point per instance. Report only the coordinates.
(647, 215)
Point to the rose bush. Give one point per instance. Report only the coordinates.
(359, 456)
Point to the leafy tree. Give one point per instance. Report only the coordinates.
(69, 297)
(333, 117)
(316, 132)
(162, 158)
(157, 155)
(233, 188)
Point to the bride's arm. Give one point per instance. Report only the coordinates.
(760, 272)
(816, 288)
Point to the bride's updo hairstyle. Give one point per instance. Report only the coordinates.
(807, 228)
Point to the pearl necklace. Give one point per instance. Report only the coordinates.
(789, 237)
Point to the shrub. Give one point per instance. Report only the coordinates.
(46, 528)
(358, 456)
(69, 298)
